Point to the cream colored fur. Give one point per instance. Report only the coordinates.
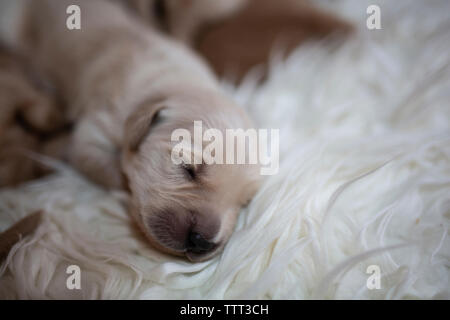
(116, 74)
(364, 180)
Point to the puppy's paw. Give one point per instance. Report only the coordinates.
(23, 93)
(40, 112)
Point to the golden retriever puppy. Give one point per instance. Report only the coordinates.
(128, 88)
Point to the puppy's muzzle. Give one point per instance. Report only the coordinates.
(186, 232)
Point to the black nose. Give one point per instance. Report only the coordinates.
(197, 244)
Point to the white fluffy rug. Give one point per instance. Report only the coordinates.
(364, 180)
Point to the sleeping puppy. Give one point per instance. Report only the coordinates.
(127, 88)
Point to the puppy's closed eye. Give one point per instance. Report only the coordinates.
(190, 171)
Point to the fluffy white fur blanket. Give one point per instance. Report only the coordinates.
(364, 180)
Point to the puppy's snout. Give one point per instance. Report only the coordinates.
(196, 243)
(185, 232)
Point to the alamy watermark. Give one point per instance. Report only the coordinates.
(73, 21)
(73, 281)
(373, 21)
(374, 280)
(241, 146)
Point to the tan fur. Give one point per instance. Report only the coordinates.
(127, 88)
(247, 39)
(182, 19)
(21, 99)
(110, 73)
(18, 231)
(236, 35)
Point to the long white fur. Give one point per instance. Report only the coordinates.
(364, 180)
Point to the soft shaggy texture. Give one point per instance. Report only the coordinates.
(364, 180)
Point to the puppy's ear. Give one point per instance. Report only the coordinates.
(140, 121)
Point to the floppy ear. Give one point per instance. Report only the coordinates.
(140, 121)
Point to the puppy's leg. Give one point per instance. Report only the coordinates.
(94, 154)
(41, 113)
(26, 113)
(20, 93)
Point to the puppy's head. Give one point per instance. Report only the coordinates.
(184, 209)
